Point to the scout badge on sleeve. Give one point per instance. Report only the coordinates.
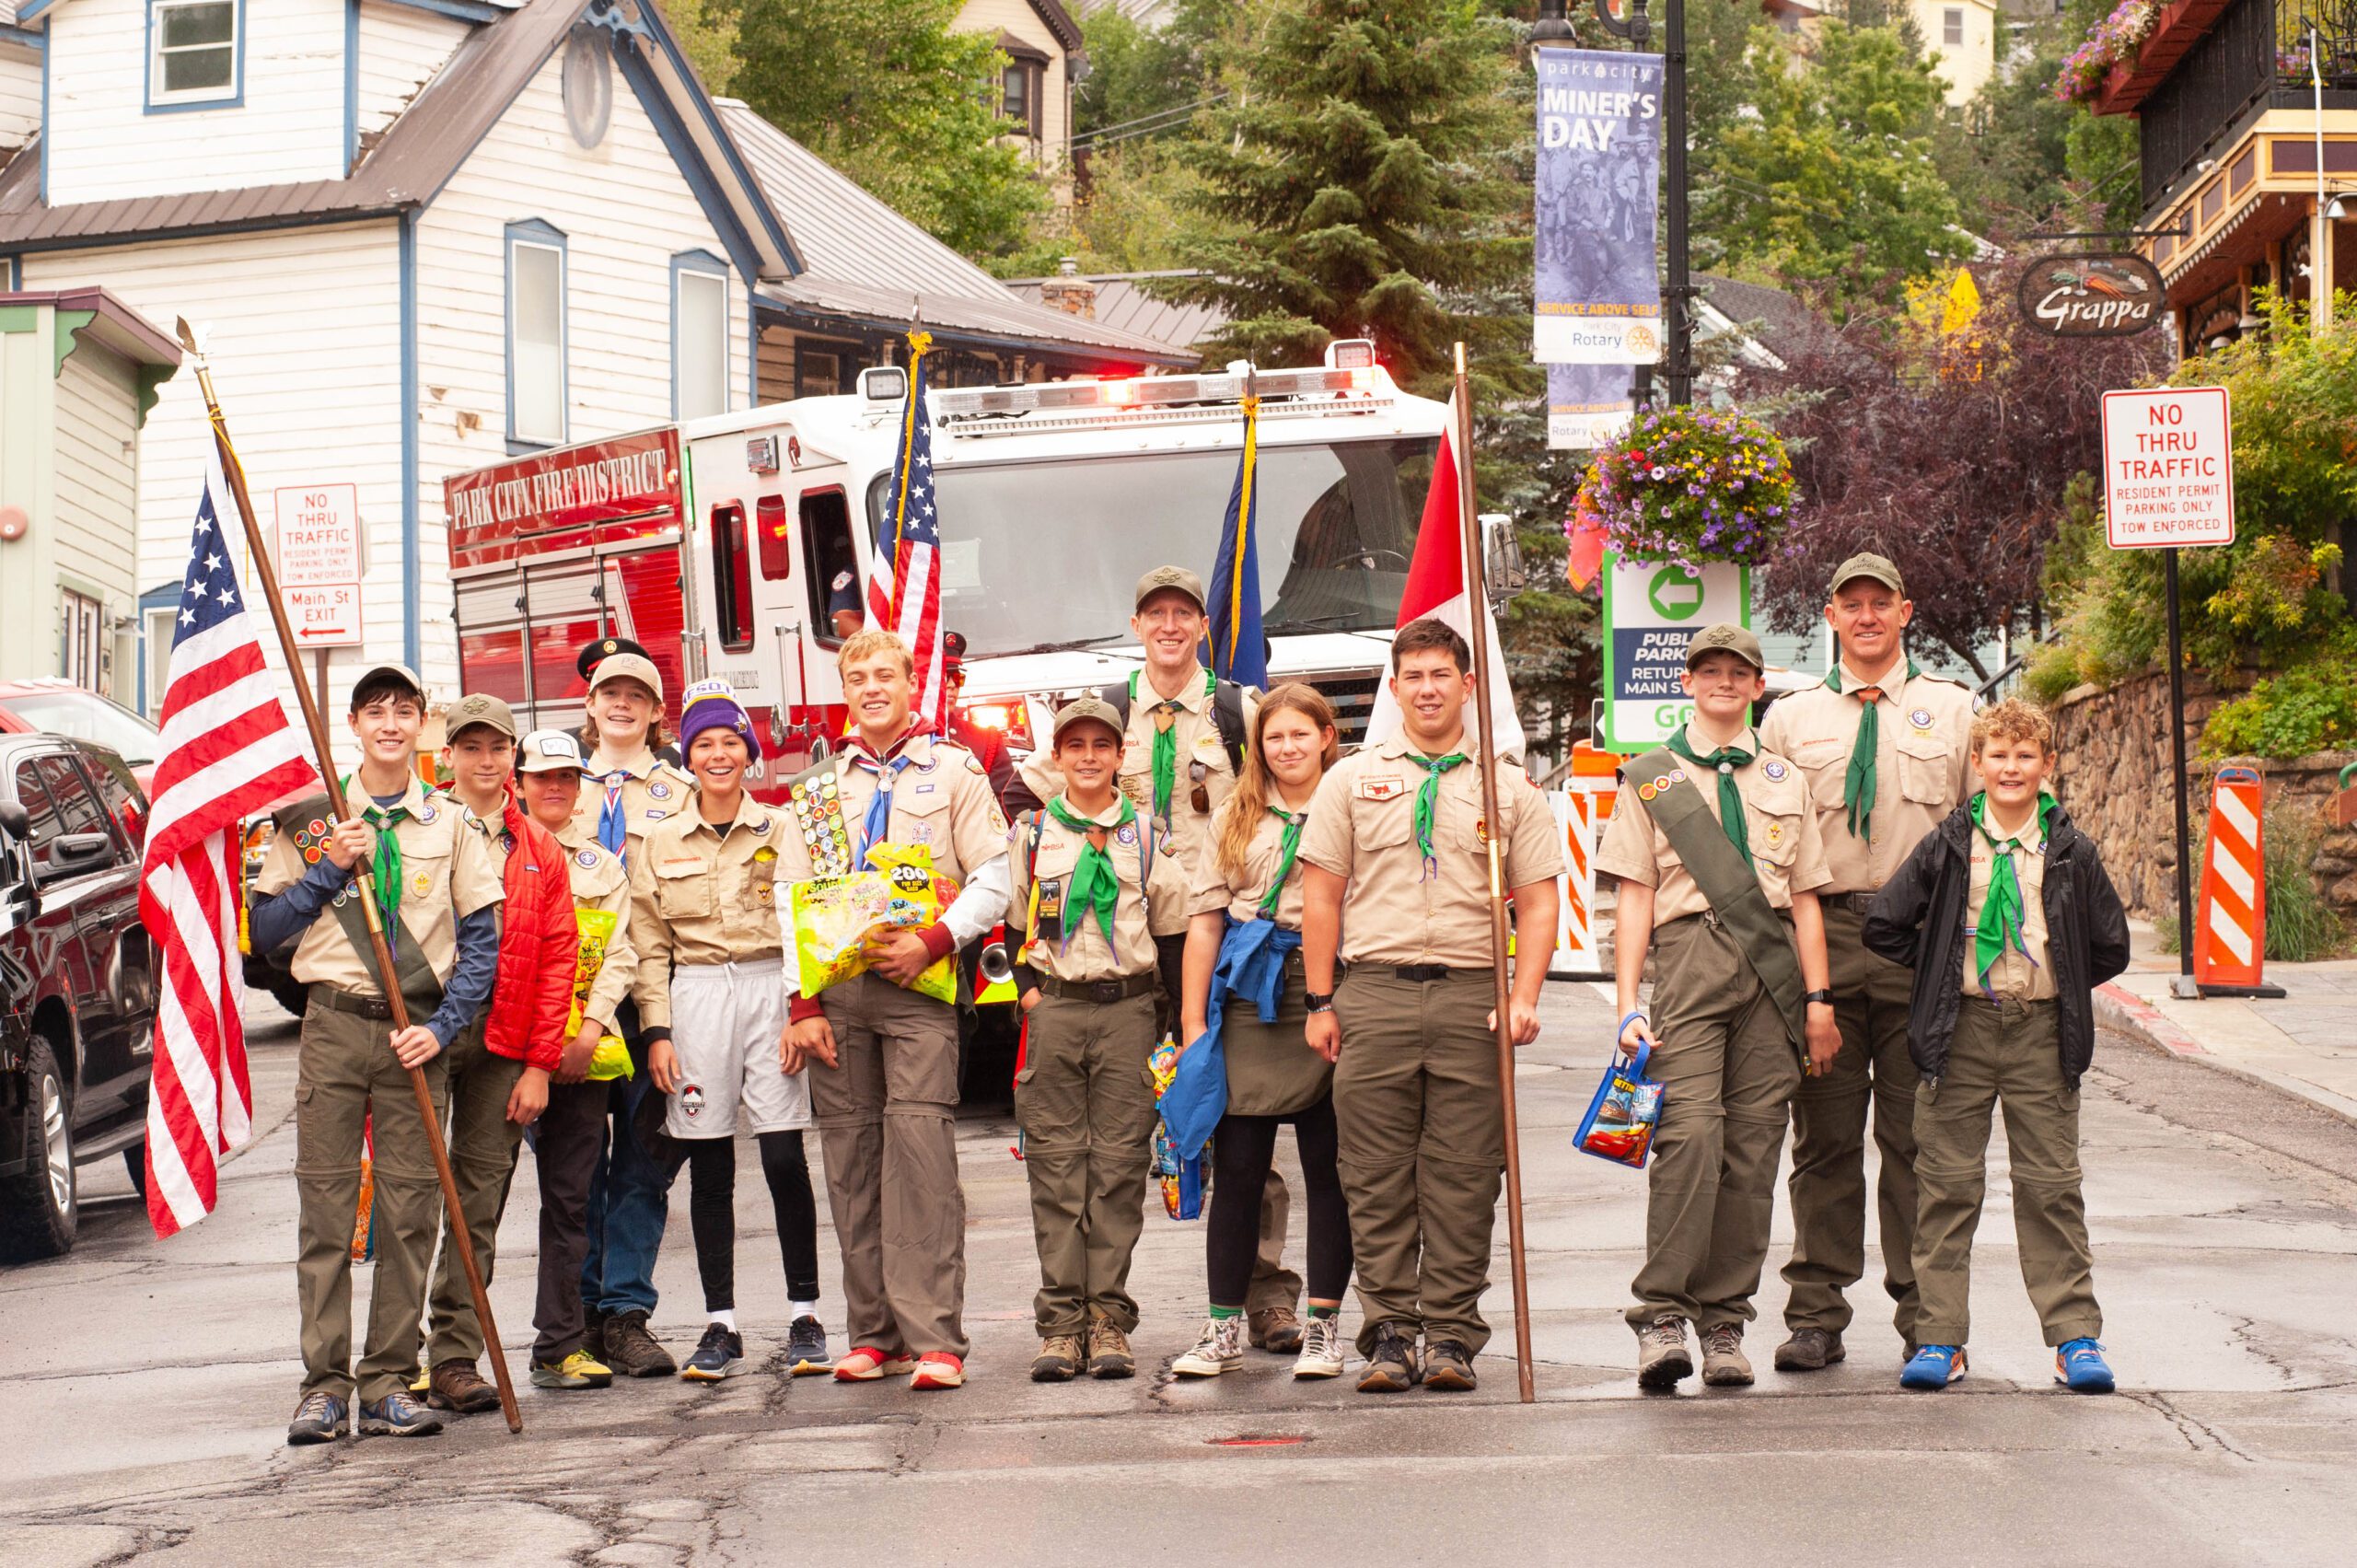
(818, 815)
(1620, 1120)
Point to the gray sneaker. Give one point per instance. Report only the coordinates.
(806, 1348)
(1809, 1350)
(319, 1419)
(1724, 1363)
(1663, 1361)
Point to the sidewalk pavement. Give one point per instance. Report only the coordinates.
(2304, 1044)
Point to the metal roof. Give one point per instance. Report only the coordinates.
(1123, 305)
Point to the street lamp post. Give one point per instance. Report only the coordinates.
(1678, 324)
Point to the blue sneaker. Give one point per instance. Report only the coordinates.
(319, 1419)
(1934, 1367)
(2079, 1366)
(397, 1415)
(720, 1352)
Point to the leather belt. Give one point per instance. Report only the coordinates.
(1102, 991)
(1856, 903)
(352, 1002)
(1421, 974)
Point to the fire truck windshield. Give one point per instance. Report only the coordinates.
(1049, 552)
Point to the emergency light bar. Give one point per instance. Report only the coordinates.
(1350, 367)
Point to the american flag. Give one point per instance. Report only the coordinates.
(916, 547)
(228, 752)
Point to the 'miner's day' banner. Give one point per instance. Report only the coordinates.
(1597, 295)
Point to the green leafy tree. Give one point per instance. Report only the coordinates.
(706, 31)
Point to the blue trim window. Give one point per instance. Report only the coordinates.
(536, 335)
(699, 334)
(196, 55)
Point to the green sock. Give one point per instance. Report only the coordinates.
(1325, 1311)
(1218, 1311)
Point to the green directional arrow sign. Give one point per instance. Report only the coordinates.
(1676, 594)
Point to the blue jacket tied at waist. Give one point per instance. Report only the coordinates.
(1252, 966)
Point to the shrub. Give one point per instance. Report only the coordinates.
(2312, 708)
(2301, 927)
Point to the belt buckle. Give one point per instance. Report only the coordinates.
(1107, 990)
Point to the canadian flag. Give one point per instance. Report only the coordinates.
(1436, 587)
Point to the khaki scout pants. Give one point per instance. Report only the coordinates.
(887, 1124)
(345, 1064)
(1422, 1133)
(483, 1147)
(1828, 1179)
(1085, 1100)
(1728, 1071)
(2003, 1053)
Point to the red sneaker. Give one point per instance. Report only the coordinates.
(939, 1369)
(866, 1364)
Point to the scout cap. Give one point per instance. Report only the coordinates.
(1868, 565)
(1083, 710)
(482, 708)
(399, 672)
(550, 751)
(1725, 637)
(1177, 578)
(628, 666)
(602, 649)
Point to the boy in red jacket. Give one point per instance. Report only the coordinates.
(499, 1068)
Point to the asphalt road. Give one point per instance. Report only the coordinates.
(144, 1387)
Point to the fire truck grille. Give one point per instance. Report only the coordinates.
(1354, 700)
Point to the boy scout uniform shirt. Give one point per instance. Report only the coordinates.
(1240, 898)
(942, 800)
(2025, 979)
(1361, 827)
(600, 883)
(1924, 740)
(653, 791)
(702, 893)
(1081, 952)
(1787, 853)
(448, 871)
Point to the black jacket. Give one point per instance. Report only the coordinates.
(1917, 920)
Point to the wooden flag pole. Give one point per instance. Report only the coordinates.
(234, 473)
(1470, 532)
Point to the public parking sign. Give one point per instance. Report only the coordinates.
(1652, 609)
(2168, 468)
(319, 563)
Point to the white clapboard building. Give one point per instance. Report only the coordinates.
(415, 236)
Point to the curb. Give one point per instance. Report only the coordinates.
(2131, 1014)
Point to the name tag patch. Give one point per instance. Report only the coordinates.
(1382, 789)
(924, 789)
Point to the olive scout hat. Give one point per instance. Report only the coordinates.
(479, 707)
(629, 667)
(399, 672)
(1174, 577)
(1088, 710)
(550, 751)
(1725, 637)
(1867, 564)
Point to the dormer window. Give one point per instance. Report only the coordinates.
(193, 49)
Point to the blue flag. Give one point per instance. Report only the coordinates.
(1239, 652)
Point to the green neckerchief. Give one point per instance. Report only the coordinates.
(2002, 917)
(1287, 849)
(1726, 760)
(1858, 783)
(1094, 886)
(1166, 742)
(1428, 801)
(386, 868)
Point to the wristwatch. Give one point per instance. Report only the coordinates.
(1824, 996)
(1319, 1001)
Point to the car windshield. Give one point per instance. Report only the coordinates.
(85, 716)
(1038, 555)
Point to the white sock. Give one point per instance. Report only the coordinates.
(804, 1309)
(725, 1317)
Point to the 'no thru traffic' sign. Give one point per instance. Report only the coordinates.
(319, 563)
(2168, 468)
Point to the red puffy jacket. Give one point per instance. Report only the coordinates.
(538, 945)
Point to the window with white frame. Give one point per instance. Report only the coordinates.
(191, 51)
(1951, 26)
(699, 336)
(536, 389)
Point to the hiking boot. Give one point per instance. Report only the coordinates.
(579, 1370)
(1276, 1330)
(397, 1415)
(1391, 1364)
(806, 1348)
(631, 1351)
(1221, 1349)
(457, 1386)
(1809, 1350)
(1663, 1361)
(718, 1353)
(2079, 1366)
(319, 1419)
(1933, 1368)
(939, 1369)
(1724, 1363)
(1321, 1347)
(869, 1363)
(1448, 1366)
(1058, 1359)
(1108, 1350)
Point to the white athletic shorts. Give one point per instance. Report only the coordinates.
(726, 1019)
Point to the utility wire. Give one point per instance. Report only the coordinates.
(1128, 128)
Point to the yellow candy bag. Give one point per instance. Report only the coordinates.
(833, 917)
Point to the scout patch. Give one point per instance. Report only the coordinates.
(763, 856)
(1775, 834)
(921, 832)
(658, 790)
(1481, 829)
(764, 893)
(587, 857)
(1128, 833)
(1920, 718)
(421, 884)
(426, 813)
(1775, 771)
(923, 788)
(1382, 789)
(507, 845)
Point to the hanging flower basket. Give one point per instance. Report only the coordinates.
(1690, 485)
(2115, 41)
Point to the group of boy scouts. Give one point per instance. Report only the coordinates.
(1869, 911)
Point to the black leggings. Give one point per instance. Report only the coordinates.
(712, 1215)
(1242, 1150)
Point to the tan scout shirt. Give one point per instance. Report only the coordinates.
(600, 883)
(941, 799)
(448, 870)
(1200, 745)
(1215, 892)
(2028, 979)
(652, 791)
(1786, 850)
(1082, 952)
(702, 893)
(1924, 734)
(1361, 827)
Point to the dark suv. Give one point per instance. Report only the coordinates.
(77, 981)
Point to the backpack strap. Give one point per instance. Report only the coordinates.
(1228, 711)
